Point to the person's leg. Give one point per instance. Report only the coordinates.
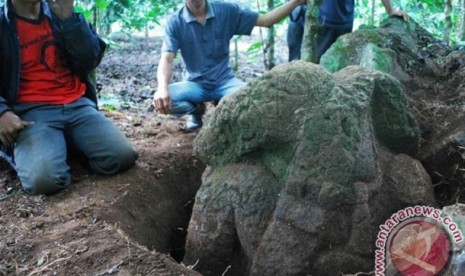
(342, 32)
(105, 146)
(185, 97)
(227, 88)
(295, 33)
(188, 98)
(40, 152)
(326, 38)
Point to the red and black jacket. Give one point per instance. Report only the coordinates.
(83, 50)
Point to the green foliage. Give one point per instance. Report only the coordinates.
(131, 14)
(255, 46)
(428, 13)
(141, 14)
(109, 102)
(102, 4)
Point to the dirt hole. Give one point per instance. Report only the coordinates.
(156, 211)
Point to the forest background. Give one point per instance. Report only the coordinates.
(445, 19)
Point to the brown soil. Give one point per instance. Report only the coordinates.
(107, 225)
(437, 102)
(133, 223)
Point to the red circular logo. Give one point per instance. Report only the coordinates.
(419, 248)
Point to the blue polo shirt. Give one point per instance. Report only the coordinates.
(205, 48)
(337, 14)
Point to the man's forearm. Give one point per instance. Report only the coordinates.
(388, 6)
(276, 15)
(161, 98)
(164, 73)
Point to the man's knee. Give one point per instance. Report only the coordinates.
(45, 179)
(181, 108)
(118, 159)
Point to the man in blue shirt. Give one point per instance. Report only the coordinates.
(336, 18)
(202, 30)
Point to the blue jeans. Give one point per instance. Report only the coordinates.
(41, 149)
(186, 95)
(295, 31)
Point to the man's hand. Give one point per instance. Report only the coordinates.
(63, 9)
(399, 13)
(162, 101)
(392, 12)
(10, 126)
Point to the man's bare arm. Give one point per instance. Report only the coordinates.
(162, 99)
(276, 15)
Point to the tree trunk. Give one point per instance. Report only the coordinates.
(263, 46)
(461, 32)
(94, 18)
(270, 61)
(312, 27)
(448, 21)
(373, 11)
(269, 47)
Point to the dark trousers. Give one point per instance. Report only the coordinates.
(326, 38)
(295, 33)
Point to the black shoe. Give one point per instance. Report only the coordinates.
(194, 121)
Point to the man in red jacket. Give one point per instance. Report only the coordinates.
(47, 101)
